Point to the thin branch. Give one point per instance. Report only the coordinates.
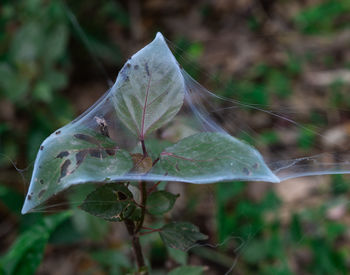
(155, 161)
(147, 228)
(144, 151)
(149, 232)
(153, 187)
(130, 226)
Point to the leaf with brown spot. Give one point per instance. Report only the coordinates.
(41, 193)
(149, 97)
(87, 138)
(96, 153)
(62, 154)
(142, 164)
(211, 157)
(181, 235)
(112, 202)
(80, 156)
(64, 168)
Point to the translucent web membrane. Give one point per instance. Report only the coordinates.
(158, 124)
(285, 163)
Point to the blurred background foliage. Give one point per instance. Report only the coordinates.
(57, 57)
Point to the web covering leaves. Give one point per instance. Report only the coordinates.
(156, 108)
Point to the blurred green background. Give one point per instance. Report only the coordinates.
(56, 58)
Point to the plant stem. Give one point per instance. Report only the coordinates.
(150, 231)
(145, 154)
(153, 187)
(134, 228)
(143, 203)
(138, 252)
(135, 244)
(155, 161)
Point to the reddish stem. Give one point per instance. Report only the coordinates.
(147, 228)
(155, 162)
(144, 151)
(149, 232)
(153, 187)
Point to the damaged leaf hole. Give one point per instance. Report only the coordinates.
(121, 196)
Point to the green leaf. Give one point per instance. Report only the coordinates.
(177, 255)
(26, 253)
(187, 270)
(181, 235)
(136, 215)
(154, 147)
(149, 90)
(112, 202)
(212, 157)
(69, 157)
(160, 202)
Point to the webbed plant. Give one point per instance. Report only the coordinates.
(151, 127)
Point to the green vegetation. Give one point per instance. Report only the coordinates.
(43, 60)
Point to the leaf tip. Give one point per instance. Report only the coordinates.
(159, 35)
(26, 208)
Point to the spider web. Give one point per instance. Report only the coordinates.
(189, 135)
